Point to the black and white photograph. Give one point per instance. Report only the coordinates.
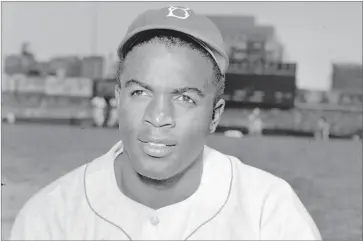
(196, 120)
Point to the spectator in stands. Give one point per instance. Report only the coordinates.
(255, 122)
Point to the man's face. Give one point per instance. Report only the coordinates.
(165, 107)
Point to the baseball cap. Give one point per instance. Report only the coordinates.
(180, 19)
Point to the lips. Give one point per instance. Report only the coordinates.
(157, 141)
(157, 146)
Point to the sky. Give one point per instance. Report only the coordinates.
(314, 34)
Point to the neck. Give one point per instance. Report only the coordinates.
(157, 193)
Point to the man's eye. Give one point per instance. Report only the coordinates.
(185, 99)
(138, 93)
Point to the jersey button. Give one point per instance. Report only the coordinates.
(154, 220)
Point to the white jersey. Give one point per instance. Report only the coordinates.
(233, 202)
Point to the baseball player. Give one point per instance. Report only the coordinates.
(161, 180)
(98, 110)
(255, 126)
(112, 120)
(323, 129)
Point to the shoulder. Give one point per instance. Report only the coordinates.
(71, 186)
(55, 196)
(53, 203)
(42, 215)
(281, 212)
(253, 179)
(254, 184)
(47, 213)
(259, 186)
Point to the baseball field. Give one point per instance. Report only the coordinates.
(327, 176)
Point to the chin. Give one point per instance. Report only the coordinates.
(155, 174)
(155, 171)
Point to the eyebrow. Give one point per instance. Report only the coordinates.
(133, 82)
(188, 89)
(176, 91)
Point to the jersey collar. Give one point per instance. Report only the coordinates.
(108, 202)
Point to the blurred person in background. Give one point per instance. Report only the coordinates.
(358, 135)
(161, 180)
(99, 106)
(10, 118)
(323, 129)
(112, 119)
(255, 126)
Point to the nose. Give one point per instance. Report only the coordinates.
(160, 113)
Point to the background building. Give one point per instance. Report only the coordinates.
(248, 40)
(93, 67)
(347, 78)
(13, 64)
(257, 75)
(19, 64)
(71, 65)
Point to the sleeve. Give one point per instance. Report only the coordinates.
(284, 217)
(34, 222)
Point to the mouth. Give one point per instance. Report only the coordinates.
(156, 144)
(157, 149)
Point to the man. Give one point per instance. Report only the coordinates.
(161, 181)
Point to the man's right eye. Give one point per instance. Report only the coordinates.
(138, 93)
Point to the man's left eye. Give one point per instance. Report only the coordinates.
(185, 98)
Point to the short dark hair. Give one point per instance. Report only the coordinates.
(173, 38)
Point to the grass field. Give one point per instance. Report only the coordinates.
(327, 176)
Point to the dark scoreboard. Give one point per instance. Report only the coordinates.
(270, 85)
(104, 88)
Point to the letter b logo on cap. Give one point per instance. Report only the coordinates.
(178, 12)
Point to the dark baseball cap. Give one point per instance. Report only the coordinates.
(184, 20)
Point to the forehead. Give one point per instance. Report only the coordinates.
(163, 65)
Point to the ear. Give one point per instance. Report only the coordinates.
(217, 114)
(118, 93)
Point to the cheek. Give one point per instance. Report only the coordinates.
(194, 126)
(130, 117)
(193, 132)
